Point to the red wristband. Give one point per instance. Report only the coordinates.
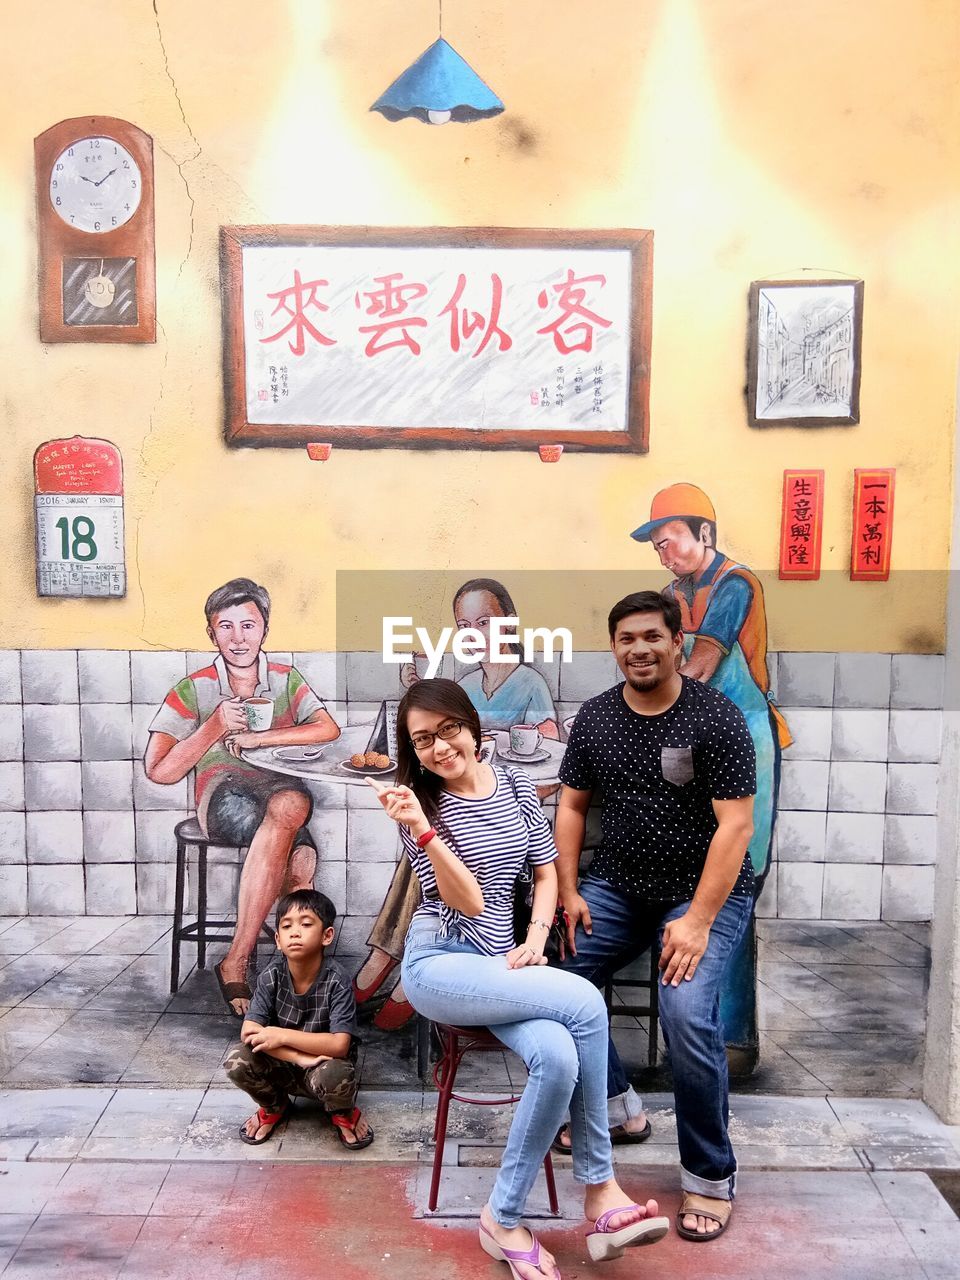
(428, 835)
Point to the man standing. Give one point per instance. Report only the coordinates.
(203, 725)
(725, 628)
(673, 765)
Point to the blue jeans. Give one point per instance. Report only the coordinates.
(623, 928)
(555, 1021)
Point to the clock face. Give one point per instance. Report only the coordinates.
(95, 185)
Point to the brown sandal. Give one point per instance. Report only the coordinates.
(232, 991)
(703, 1207)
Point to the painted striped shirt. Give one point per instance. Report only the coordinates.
(194, 700)
(494, 837)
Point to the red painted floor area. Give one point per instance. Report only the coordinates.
(353, 1221)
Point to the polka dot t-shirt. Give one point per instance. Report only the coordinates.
(656, 777)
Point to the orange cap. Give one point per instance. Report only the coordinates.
(676, 502)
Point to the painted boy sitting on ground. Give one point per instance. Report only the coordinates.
(298, 1035)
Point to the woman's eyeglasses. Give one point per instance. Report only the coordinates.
(446, 731)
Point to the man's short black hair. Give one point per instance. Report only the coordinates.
(307, 900)
(238, 591)
(646, 602)
(696, 523)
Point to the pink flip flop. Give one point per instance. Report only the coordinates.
(510, 1256)
(604, 1244)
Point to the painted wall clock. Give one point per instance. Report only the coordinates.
(95, 223)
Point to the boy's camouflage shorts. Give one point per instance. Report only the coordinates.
(271, 1082)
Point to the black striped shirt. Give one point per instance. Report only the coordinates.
(493, 837)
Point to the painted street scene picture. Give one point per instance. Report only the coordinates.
(806, 351)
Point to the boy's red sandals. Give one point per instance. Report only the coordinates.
(348, 1120)
(263, 1117)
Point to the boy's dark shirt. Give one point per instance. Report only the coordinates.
(328, 1006)
(656, 777)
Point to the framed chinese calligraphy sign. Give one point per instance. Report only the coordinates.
(464, 337)
(803, 356)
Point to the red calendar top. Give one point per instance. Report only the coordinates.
(78, 465)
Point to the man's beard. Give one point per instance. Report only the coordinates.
(644, 684)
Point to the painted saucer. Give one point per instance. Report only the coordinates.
(298, 755)
(535, 757)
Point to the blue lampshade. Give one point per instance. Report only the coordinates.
(438, 87)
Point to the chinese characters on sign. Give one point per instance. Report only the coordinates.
(801, 525)
(872, 524)
(395, 295)
(293, 302)
(79, 517)
(508, 337)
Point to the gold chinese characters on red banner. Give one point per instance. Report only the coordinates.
(801, 525)
(872, 524)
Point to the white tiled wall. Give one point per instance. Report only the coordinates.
(82, 829)
(857, 823)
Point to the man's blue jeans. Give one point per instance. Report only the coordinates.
(623, 928)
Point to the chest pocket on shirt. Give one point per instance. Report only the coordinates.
(676, 764)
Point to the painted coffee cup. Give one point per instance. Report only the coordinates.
(524, 739)
(488, 748)
(259, 713)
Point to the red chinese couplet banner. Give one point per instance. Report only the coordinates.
(801, 525)
(872, 524)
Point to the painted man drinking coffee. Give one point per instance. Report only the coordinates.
(243, 700)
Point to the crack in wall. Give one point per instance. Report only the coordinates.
(146, 472)
(196, 142)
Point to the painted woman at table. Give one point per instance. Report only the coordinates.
(504, 694)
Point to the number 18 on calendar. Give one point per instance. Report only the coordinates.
(79, 513)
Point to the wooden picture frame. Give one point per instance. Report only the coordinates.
(803, 353)
(431, 375)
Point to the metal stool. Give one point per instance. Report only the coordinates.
(456, 1042)
(649, 1010)
(201, 931)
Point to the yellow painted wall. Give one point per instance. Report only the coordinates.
(756, 139)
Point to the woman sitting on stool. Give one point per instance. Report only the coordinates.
(462, 966)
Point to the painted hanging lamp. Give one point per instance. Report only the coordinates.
(440, 86)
